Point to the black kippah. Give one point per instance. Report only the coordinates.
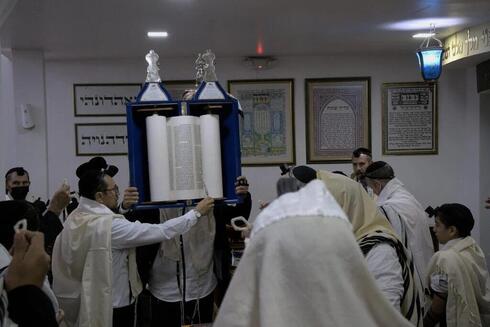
(304, 174)
(97, 164)
(379, 170)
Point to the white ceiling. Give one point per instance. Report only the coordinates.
(117, 28)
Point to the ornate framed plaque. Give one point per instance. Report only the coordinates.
(267, 129)
(409, 118)
(337, 118)
(101, 139)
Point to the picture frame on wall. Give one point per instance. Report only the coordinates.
(267, 128)
(409, 118)
(109, 99)
(103, 99)
(93, 139)
(338, 118)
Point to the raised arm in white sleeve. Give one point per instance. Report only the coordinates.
(126, 234)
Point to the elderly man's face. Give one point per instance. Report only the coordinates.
(360, 164)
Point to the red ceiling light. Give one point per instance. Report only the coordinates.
(260, 48)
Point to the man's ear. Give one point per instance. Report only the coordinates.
(453, 231)
(98, 196)
(375, 184)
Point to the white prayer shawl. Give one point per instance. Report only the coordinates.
(371, 227)
(468, 300)
(401, 205)
(82, 267)
(5, 259)
(303, 267)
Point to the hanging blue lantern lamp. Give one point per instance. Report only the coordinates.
(430, 57)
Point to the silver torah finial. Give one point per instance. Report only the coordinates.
(209, 70)
(200, 63)
(152, 75)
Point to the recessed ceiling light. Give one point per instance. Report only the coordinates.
(157, 34)
(423, 35)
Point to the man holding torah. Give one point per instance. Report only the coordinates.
(94, 262)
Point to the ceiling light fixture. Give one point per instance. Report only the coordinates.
(157, 34)
(422, 35)
(260, 62)
(430, 57)
(417, 24)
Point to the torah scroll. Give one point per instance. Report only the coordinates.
(184, 157)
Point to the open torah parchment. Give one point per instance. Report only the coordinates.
(184, 157)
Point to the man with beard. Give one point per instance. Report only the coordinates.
(405, 214)
(95, 276)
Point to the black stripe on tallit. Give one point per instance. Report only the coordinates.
(369, 241)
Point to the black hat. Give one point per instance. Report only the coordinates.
(97, 164)
(379, 170)
(304, 174)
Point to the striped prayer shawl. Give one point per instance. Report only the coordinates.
(3, 304)
(410, 302)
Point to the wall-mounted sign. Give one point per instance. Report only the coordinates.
(409, 118)
(103, 99)
(101, 139)
(467, 43)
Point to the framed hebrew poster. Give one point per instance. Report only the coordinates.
(111, 99)
(267, 128)
(103, 99)
(101, 139)
(337, 118)
(409, 118)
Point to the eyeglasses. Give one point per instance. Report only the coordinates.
(115, 189)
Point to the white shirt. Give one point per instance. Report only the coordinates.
(126, 235)
(163, 277)
(163, 280)
(383, 264)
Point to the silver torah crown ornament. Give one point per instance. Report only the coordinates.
(152, 75)
(209, 70)
(199, 69)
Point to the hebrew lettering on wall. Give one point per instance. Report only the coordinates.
(101, 139)
(111, 99)
(103, 99)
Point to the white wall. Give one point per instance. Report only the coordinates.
(484, 168)
(23, 83)
(7, 143)
(450, 176)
